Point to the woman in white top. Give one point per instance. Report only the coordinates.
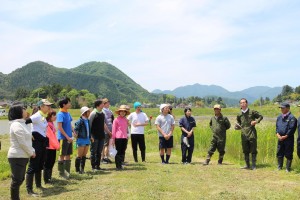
(20, 148)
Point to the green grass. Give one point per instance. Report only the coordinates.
(152, 180)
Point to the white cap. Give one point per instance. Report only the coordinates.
(84, 109)
(162, 106)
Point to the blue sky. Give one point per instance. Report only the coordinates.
(160, 44)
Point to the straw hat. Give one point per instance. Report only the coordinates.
(122, 108)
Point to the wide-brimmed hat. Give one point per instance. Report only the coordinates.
(84, 109)
(122, 108)
(44, 102)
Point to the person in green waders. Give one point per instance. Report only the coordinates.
(218, 124)
(246, 121)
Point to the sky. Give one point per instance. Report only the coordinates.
(160, 44)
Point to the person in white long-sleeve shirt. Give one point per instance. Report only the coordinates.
(20, 148)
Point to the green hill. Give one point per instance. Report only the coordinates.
(100, 78)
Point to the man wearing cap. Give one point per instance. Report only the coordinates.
(98, 129)
(109, 121)
(165, 127)
(39, 143)
(218, 124)
(286, 125)
(246, 121)
(138, 120)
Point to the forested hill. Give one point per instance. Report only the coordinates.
(100, 78)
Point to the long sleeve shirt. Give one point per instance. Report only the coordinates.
(119, 128)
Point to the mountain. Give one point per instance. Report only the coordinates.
(100, 78)
(251, 94)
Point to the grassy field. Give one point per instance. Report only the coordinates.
(153, 180)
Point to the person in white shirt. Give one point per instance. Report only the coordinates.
(20, 148)
(165, 127)
(138, 120)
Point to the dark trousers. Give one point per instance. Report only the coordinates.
(96, 150)
(50, 159)
(121, 145)
(18, 169)
(187, 152)
(138, 139)
(285, 148)
(39, 144)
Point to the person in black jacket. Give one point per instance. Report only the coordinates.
(286, 125)
(98, 129)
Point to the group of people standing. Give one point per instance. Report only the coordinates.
(98, 130)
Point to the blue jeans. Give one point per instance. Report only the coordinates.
(96, 150)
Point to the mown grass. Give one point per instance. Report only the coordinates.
(152, 180)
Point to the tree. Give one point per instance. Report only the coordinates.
(297, 90)
(287, 90)
(22, 93)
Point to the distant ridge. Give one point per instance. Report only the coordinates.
(197, 89)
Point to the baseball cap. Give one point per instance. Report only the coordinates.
(284, 105)
(44, 102)
(217, 106)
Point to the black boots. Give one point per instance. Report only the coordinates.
(29, 184)
(253, 161)
(247, 161)
(206, 162)
(77, 165)
(288, 165)
(220, 161)
(280, 163)
(82, 164)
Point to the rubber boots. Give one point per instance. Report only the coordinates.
(67, 167)
(82, 164)
(220, 161)
(288, 165)
(47, 174)
(77, 165)
(247, 161)
(280, 163)
(61, 170)
(206, 162)
(253, 161)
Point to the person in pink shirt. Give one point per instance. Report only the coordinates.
(53, 147)
(119, 135)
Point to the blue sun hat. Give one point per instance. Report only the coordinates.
(137, 104)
